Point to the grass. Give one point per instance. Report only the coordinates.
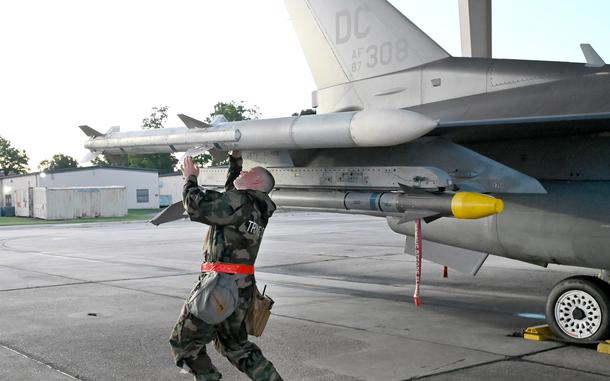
(132, 215)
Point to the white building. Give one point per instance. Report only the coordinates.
(142, 184)
(170, 188)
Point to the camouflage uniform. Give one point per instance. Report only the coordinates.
(237, 219)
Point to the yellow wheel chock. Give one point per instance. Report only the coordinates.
(543, 332)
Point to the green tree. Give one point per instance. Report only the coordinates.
(59, 161)
(233, 111)
(309, 111)
(101, 161)
(12, 160)
(157, 117)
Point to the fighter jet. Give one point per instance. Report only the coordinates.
(404, 131)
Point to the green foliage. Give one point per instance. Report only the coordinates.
(233, 111)
(59, 161)
(157, 117)
(164, 162)
(132, 215)
(101, 161)
(309, 111)
(12, 160)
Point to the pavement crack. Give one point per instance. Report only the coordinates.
(41, 362)
(563, 367)
(506, 358)
(334, 259)
(448, 364)
(395, 336)
(77, 281)
(321, 322)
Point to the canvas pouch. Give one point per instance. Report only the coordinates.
(259, 313)
(214, 297)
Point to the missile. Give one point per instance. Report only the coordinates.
(424, 205)
(366, 128)
(409, 206)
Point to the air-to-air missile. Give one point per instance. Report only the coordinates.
(406, 192)
(408, 205)
(366, 128)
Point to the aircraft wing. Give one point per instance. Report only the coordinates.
(573, 106)
(523, 127)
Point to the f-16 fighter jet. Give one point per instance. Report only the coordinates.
(404, 131)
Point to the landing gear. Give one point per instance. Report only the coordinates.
(577, 309)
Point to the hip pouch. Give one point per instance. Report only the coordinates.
(214, 297)
(259, 313)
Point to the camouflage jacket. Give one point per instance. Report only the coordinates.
(237, 218)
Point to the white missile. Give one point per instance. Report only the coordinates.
(367, 128)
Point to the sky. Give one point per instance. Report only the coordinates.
(64, 63)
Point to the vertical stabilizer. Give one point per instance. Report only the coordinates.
(345, 41)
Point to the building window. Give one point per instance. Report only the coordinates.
(142, 196)
(8, 200)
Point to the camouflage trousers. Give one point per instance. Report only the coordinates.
(190, 336)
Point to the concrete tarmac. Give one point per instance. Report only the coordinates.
(98, 301)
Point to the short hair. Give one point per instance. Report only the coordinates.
(270, 180)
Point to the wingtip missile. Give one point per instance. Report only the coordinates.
(366, 128)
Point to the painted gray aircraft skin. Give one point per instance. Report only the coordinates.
(547, 120)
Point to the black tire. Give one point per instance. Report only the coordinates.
(572, 323)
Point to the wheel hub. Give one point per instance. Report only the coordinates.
(578, 314)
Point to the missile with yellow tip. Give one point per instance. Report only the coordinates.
(408, 206)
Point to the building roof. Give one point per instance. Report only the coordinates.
(64, 170)
(170, 174)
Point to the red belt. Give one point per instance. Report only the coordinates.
(227, 268)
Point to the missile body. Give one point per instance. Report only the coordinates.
(463, 205)
(367, 128)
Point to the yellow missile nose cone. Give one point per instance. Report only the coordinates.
(469, 205)
(499, 206)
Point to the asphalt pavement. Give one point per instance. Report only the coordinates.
(98, 301)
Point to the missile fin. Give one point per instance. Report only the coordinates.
(217, 119)
(411, 215)
(218, 155)
(113, 129)
(411, 190)
(192, 152)
(196, 151)
(432, 218)
(192, 122)
(172, 213)
(89, 157)
(90, 132)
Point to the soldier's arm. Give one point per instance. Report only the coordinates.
(235, 165)
(211, 207)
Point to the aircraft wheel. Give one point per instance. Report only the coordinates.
(577, 309)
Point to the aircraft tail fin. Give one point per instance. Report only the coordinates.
(346, 41)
